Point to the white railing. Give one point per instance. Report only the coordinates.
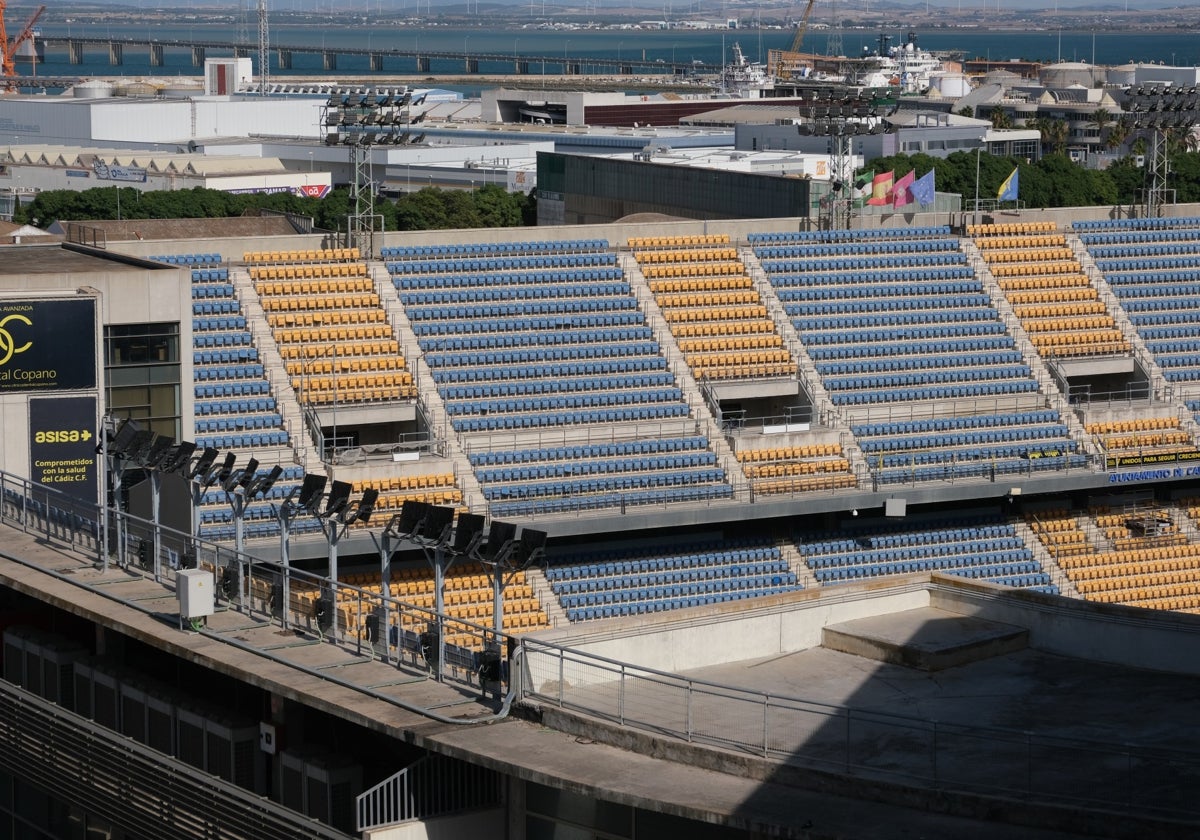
(432, 786)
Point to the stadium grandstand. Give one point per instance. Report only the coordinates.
(715, 530)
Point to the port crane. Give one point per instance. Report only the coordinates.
(8, 49)
(782, 63)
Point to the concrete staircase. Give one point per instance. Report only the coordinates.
(1159, 387)
(825, 413)
(692, 394)
(796, 563)
(536, 579)
(1040, 553)
(1185, 524)
(287, 401)
(1046, 383)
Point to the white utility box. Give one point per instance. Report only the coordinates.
(194, 588)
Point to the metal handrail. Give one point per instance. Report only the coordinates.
(731, 717)
(75, 523)
(432, 786)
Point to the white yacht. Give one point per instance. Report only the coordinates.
(907, 67)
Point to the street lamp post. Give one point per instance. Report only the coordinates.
(566, 66)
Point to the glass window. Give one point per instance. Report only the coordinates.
(142, 375)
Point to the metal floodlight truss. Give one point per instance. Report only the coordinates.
(1161, 110)
(361, 120)
(840, 118)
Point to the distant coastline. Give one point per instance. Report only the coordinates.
(551, 45)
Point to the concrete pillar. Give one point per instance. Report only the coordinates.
(376, 62)
(329, 60)
(521, 66)
(285, 59)
(116, 54)
(75, 52)
(156, 55)
(471, 65)
(422, 64)
(571, 68)
(241, 52)
(625, 70)
(197, 56)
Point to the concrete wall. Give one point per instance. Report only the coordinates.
(730, 634)
(1127, 636)
(1105, 633)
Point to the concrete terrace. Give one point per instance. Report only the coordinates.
(1030, 689)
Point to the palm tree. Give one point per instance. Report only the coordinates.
(1101, 118)
(1054, 133)
(1121, 131)
(1001, 119)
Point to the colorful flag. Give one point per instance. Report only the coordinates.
(1008, 190)
(881, 189)
(923, 189)
(862, 187)
(900, 194)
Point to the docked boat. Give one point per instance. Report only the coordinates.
(744, 79)
(907, 67)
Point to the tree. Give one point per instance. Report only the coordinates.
(1101, 119)
(429, 209)
(495, 207)
(1054, 133)
(1001, 119)
(1121, 132)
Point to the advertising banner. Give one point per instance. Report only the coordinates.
(47, 345)
(62, 445)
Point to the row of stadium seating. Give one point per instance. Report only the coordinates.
(1153, 223)
(188, 259)
(869, 263)
(408, 283)
(917, 232)
(514, 349)
(856, 249)
(588, 265)
(982, 549)
(626, 496)
(325, 255)
(206, 275)
(546, 246)
(228, 338)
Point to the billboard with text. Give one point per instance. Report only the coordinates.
(47, 345)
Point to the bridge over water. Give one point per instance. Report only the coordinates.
(395, 61)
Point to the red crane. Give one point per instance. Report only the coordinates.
(8, 49)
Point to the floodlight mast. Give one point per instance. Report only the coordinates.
(119, 442)
(285, 513)
(151, 452)
(512, 555)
